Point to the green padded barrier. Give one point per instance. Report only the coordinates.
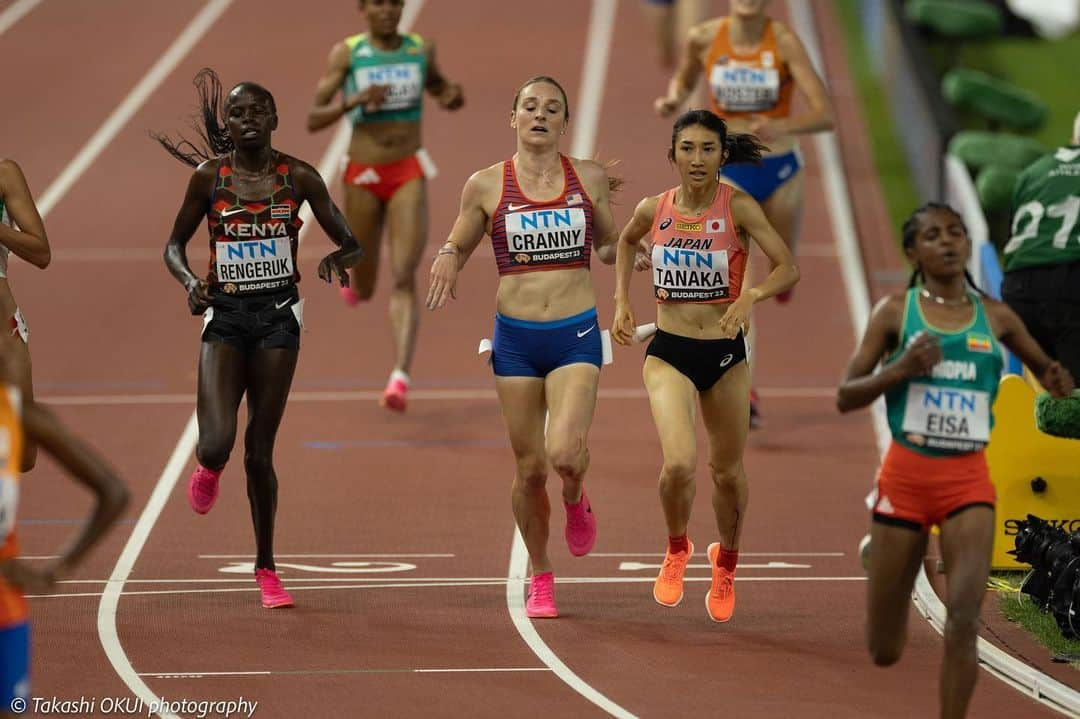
(979, 148)
(995, 100)
(1059, 417)
(994, 185)
(956, 19)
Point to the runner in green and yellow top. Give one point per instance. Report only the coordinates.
(937, 345)
(381, 75)
(1042, 258)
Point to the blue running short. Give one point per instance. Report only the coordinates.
(761, 181)
(535, 349)
(14, 664)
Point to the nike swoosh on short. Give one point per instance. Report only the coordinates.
(279, 306)
(582, 334)
(514, 208)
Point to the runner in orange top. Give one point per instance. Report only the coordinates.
(20, 423)
(700, 234)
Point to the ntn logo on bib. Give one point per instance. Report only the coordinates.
(545, 236)
(745, 89)
(946, 417)
(693, 275)
(260, 260)
(404, 83)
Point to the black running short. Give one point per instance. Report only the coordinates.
(703, 362)
(267, 321)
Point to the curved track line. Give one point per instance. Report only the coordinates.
(1003, 666)
(15, 12)
(131, 104)
(594, 70)
(185, 446)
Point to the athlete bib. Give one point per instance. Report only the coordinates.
(947, 418)
(690, 274)
(540, 237)
(745, 89)
(404, 81)
(255, 261)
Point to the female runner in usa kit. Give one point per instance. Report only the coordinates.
(382, 75)
(701, 232)
(250, 195)
(545, 213)
(753, 65)
(21, 232)
(938, 362)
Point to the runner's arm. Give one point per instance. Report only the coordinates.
(1014, 334)
(605, 232)
(749, 216)
(192, 211)
(326, 212)
(85, 467)
(688, 73)
(627, 247)
(861, 385)
(464, 238)
(29, 241)
(819, 115)
(450, 95)
(325, 111)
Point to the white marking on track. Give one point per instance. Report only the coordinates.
(15, 12)
(110, 598)
(741, 554)
(335, 568)
(638, 566)
(427, 395)
(330, 556)
(323, 672)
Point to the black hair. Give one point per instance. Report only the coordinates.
(213, 134)
(549, 80)
(910, 231)
(741, 147)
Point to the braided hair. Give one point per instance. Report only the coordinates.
(910, 231)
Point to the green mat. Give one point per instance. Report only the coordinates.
(995, 100)
(956, 19)
(979, 148)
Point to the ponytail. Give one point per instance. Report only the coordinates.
(212, 133)
(743, 147)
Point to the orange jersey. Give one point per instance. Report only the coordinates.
(12, 605)
(757, 82)
(697, 259)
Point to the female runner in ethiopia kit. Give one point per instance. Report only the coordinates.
(940, 363)
(251, 196)
(701, 234)
(382, 75)
(23, 421)
(21, 232)
(545, 213)
(753, 65)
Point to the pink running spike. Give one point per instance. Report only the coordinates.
(395, 396)
(203, 488)
(349, 296)
(541, 601)
(580, 526)
(273, 594)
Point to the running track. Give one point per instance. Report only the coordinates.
(426, 494)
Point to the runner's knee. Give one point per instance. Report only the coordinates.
(532, 472)
(213, 452)
(677, 471)
(725, 476)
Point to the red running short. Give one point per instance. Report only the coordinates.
(917, 491)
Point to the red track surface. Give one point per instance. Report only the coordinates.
(108, 320)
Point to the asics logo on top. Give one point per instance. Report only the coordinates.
(514, 208)
(582, 334)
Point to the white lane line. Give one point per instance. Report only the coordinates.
(741, 554)
(638, 566)
(15, 12)
(1005, 667)
(329, 556)
(131, 104)
(598, 47)
(297, 585)
(593, 75)
(110, 598)
(437, 395)
(324, 672)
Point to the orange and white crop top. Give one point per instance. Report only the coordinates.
(697, 259)
(12, 604)
(757, 82)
